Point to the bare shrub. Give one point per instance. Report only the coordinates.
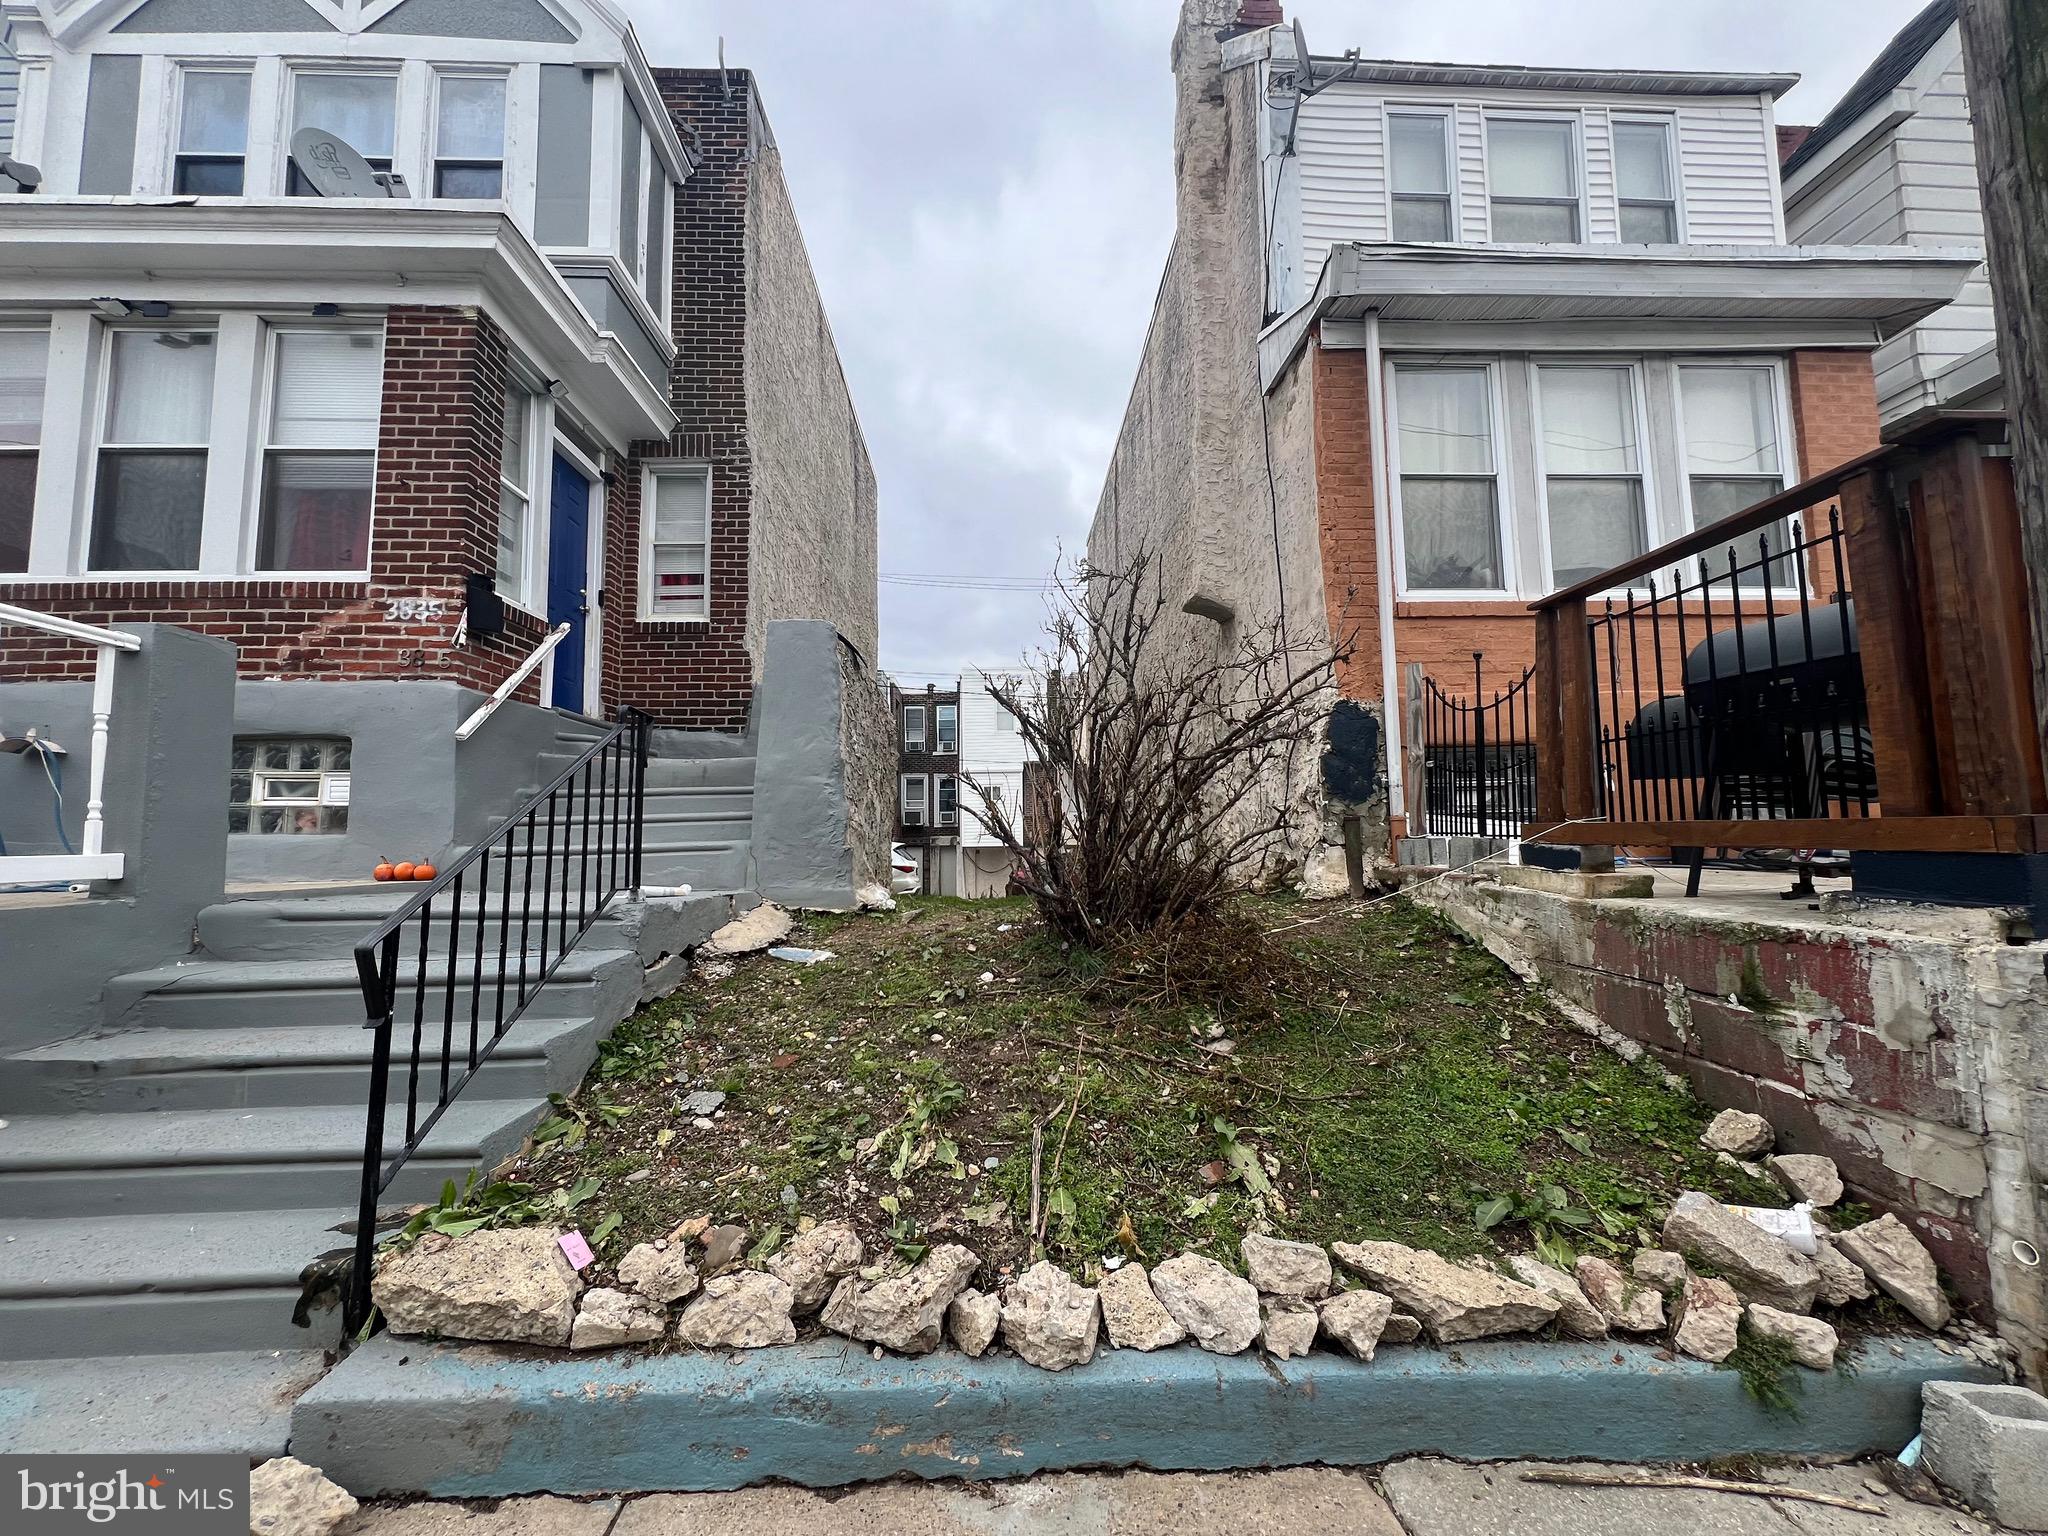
(1158, 761)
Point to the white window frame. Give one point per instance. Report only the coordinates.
(914, 743)
(539, 436)
(1006, 721)
(941, 816)
(261, 448)
(1575, 161)
(431, 172)
(1789, 470)
(382, 69)
(34, 451)
(917, 814)
(97, 446)
(1668, 123)
(1504, 509)
(649, 473)
(1645, 449)
(181, 71)
(1448, 117)
(939, 714)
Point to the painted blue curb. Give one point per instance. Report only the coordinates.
(475, 1421)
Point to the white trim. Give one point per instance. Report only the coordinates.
(438, 76)
(1503, 491)
(1383, 550)
(651, 471)
(923, 808)
(98, 444)
(1447, 117)
(60, 869)
(938, 748)
(1639, 405)
(1789, 471)
(258, 481)
(1574, 120)
(920, 742)
(1674, 170)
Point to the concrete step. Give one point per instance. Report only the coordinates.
(661, 828)
(229, 1404)
(162, 1284)
(306, 1065)
(727, 799)
(702, 867)
(230, 1160)
(669, 772)
(329, 927)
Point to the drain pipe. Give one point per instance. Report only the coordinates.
(1383, 545)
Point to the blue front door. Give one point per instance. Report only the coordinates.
(569, 578)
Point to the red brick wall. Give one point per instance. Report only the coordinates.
(435, 520)
(696, 675)
(1350, 552)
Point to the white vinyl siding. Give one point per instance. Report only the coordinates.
(1728, 163)
(991, 755)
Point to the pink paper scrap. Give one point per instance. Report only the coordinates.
(577, 1249)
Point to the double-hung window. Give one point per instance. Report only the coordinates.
(946, 729)
(1420, 154)
(1733, 457)
(155, 423)
(1645, 183)
(676, 557)
(469, 138)
(913, 727)
(361, 109)
(24, 359)
(1592, 468)
(1532, 171)
(320, 460)
(1449, 479)
(515, 490)
(949, 800)
(913, 798)
(213, 133)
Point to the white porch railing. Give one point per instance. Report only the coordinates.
(512, 684)
(92, 861)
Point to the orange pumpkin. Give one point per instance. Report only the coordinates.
(424, 872)
(383, 872)
(403, 871)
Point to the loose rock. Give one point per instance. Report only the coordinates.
(1739, 1134)
(1131, 1313)
(1358, 1322)
(660, 1272)
(1812, 1342)
(289, 1498)
(1453, 1302)
(1709, 1317)
(973, 1319)
(513, 1287)
(1278, 1268)
(1630, 1306)
(1576, 1315)
(1842, 1281)
(723, 1248)
(1806, 1177)
(761, 928)
(906, 1313)
(608, 1319)
(748, 1310)
(1049, 1320)
(1888, 1252)
(1660, 1268)
(1219, 1311)
(816, 1261)
(1289, 1327)
(1760, 1267)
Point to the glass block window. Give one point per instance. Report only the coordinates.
(289, 787)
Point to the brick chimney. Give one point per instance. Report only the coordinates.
(1260, 13)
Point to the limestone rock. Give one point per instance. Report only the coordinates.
(1739, 1134)
(973, 1319)
(1629, 1305)
(1297, 1270)
(1760, 1267)
(1660, 1269)
(763, 928)
(1803, 1176)
(1219, 1311)
(1358, 1322)
(747, 1310)
(1842, 1280)
(908, 1312)
(514, 1287)
(1709, 1320)
(1577, 1316)
(1289, 1327)
(1888, 1252)
(723, 1248)
(1049, 1320)
(1131, 1313)
(1811, 1341)
(289, 1498)
(659, 1271)
(816, 1261)
(1454, 1302)
(611, 1318)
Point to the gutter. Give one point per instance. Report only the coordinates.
(1383, 550)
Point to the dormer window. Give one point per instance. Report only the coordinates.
(1532, 169)
(1645, 183)
(1421, 158)
(213, 133)
(469, 138)
(359, 108)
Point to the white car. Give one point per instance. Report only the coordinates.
(904, 879)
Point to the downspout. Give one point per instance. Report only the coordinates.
(1383, 545)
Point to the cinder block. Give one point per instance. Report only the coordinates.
(1989, 1444)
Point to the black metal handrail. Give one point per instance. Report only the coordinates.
(594, 810)
(1479, 758)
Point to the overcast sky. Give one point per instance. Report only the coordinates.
(986, 190)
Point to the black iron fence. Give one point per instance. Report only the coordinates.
(448, 974)
(1479, 758)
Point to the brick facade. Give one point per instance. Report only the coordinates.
(933, 764)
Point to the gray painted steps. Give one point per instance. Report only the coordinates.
(229, 1404)
(159, 1283)
(665, 772)
(329, 927)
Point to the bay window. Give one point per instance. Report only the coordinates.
(157, 418)
(1449, 477)
(515, 490)
(1419, 155)
(676, 545)
(320, 461)
(24, 360)
(361, 109)
(1592, 468)
(1532, 170)
(1645, 182)
(469, 138)
(213, 133)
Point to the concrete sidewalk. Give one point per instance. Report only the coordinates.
(1409, 1498)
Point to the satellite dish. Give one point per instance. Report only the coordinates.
(332, 165)
(1308, 78)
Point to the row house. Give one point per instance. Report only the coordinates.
(928, 782)
(1510, 326)
(962, 751)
